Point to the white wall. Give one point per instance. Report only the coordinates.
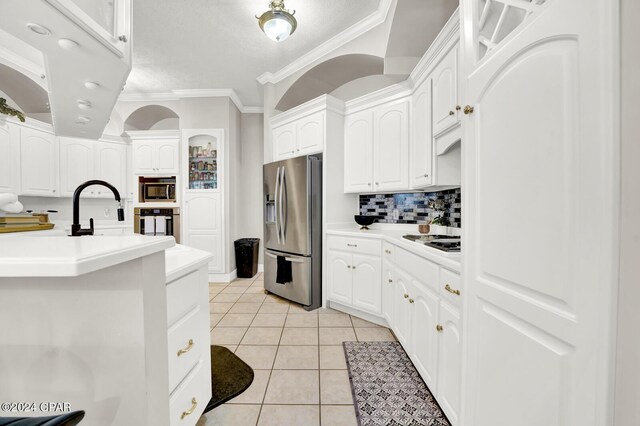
(250, 183)
(231, 190)
(627, 397)
(365, 85)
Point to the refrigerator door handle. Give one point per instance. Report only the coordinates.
(276, 204)
(280, 216)
(287, 258)
(284, 206)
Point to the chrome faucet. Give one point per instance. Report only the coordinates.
(76, 229)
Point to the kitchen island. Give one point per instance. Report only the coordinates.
(117, 326)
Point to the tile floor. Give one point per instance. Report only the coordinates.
(297, 356)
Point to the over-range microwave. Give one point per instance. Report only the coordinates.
(155, 189)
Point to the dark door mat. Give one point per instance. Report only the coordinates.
(230, 376)
(387, 389)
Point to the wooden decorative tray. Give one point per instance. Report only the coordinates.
(26, 228)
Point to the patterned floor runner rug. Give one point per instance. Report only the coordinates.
(387, 389)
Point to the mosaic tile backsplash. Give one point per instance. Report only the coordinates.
(418, 207)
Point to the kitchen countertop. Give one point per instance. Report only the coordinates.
(181, 260)
(51, 255)
(394, 236)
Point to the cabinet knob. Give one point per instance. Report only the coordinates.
(377, 183)
(353, 267)
(439, 328)
(349, 266)
(369, 183)
(390, 280)
(426, 175)
(406, 296)
(298, 149)
(452, 291)
(411, 300)
(458, 107)
(451, 113)
(468, 109)
(123, 38)
(387, 251)
(53, 190)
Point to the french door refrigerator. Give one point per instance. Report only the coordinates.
(293, 229)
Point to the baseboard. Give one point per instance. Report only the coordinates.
(223, 278)
(357, 313)
(260, 267)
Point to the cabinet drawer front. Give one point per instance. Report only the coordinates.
(187, 341)
(450, 285)
(423, 270)
(183, 295)
(192, 396)
(389, 252)
(355, 245)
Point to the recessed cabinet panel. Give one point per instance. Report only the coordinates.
(340, 277)
(391, 147)
(367, 290)
(284, 141)
(310, 134)
(388, 292)
(143, 157)
(203, 213)
(445, 92)
(38, 163)
(9, 158)
(156, 156)
(111, 164)
(424, 344)
(76, 166)
(358, 152)
(422, 137)
(449, 362)
(168, 156)
(402, 308)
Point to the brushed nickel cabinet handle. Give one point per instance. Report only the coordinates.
(194, 404)
(452, 291)
(187, 348)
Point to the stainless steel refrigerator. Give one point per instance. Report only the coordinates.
(293, 229)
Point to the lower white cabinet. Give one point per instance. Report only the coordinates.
(449, 390)
(355, 273)
(423, 348)
(202, 226)
(38, 163)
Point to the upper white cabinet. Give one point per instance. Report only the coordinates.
(446, 109)
(303, 130)
(358, 152)
(111, 166)
(421, 150)
(155, 152)
(377, 148)
(9, 157)
(38, 163)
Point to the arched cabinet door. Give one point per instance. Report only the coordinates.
(391, 147)
(367, 289)
(38, 163)
(424, 343)
(284, 141)
(10, 158)
(402, 308)
(449, 365)
(167, 154)
(340, 277)
(540, 120)
(421, 136)
(445, 92)
(358, 152)
(388, 292)
(310, 134)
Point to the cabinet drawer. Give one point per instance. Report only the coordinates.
(355, 245)
(389, 252)
(183, 296)
(187, 340)
(454, 283)
(423, 270)
(190, 399)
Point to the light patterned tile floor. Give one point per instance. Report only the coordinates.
(297, 356)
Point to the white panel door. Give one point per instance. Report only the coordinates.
(10, 158)
(38, 163)
(340, 277)
(388, 292)
(445, 92)
(402, 309)
(358, 152)
(391, 147)
(449, 390)
(111, 166)
(168, 156)
(202, 226)
(310, 134)
(424, 337)
(76, 166)
(367, 288)
(540, 297)
(144, 157)
(284, 141)
(421, 137)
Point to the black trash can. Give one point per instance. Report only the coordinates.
(247, 256)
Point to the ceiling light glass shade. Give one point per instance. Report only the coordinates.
(278, 24)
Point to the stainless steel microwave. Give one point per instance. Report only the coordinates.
(157, 189)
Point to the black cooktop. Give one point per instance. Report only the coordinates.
(447, 243)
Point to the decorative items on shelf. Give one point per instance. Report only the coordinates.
(7, 110)
(203, 167)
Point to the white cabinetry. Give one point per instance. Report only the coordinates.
(303, 130)
(446, 109)
(38, 163)
(421, 136)
(377, 148)
(355, 273)
(9, 157)
(156, 152)
(111, 166)
(203, 226)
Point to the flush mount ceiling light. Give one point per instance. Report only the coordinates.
(91, 85)
(68, 44)
(84, 104)
(278, 24)
(38, 29)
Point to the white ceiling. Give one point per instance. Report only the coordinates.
(217, 44)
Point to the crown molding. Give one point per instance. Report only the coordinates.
(178, 94)
(321, 103)
(340, 39)
(384, 95)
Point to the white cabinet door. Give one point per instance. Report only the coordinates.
(541, 301)
(76, 166)
(445, 92)
(421, 137)
(310, 134)
(202, 227)
(402, 312)
(358, 152)
(284, 141)
(38, 163)
(9, 158)
(387, 292)
(168, 156)
(144, 154)
(449, 362)
(391, 147)
(424, 343)
(367, 289)
(111, 166)
(340, 277)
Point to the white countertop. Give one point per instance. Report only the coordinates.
(180, 260)
(394, 236)
(50, 255)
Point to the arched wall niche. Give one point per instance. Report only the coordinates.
(152, 117)
(329, 75)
